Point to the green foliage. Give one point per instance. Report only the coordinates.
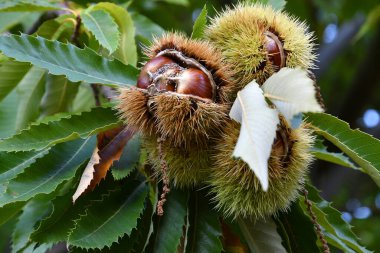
(24, 5)
(103, 27)
(66, 59)
(200, 24)
(320, 152)
(362, 148)
(70, 127)
(53, 99)
(11, 73)
(336, 230)
(48, 172)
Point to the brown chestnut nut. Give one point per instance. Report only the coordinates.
(193, 81)
(145, 78)
(275, 51)
(172, 71)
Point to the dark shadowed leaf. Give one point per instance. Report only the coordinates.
(297, 231)
(68, 128)
(168, 233)
(109, 219)
(204, 230)
(66, 59)
(9, 211)
(261, 236)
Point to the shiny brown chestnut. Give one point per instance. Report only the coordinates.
(172, 71)
(275, 50)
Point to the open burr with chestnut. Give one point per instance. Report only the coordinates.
(185, 92)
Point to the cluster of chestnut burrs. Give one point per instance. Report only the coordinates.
(222, 109)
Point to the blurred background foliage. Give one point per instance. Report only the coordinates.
(348, 71)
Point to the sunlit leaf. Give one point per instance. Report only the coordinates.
(261, 236)
(28, 6)
(179, 2)
(68, 128)
(200, 24)
(292, 91)
(101, 226)
(8, 114)
(335, 229)
(362, 148)
(66, 59)
(127, 52)
(43, 176)
(103, 27)
(258, 130)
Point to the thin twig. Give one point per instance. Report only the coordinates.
(317, 227)
(165, 179)
(74, 37)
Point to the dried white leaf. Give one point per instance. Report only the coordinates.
(258, 130)
(88, 174)
(292, 92)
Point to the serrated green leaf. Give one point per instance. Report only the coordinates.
(296, 230)
(14, 163)
(204, 226)
(127, 51)
(11, 73)
(59, 95)
(320, 151)
(33, 211)
(200, 24)
(74, 126)
(128, 160)
(30, 91)
(103, 27)
(56, 227)
(66, 59)
(168, 233)
(362, 148)
(337, 232)
(9, 211)
(28, 6)
(100, 227)
(43, 176)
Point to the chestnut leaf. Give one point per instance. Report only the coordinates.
(258, 130)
